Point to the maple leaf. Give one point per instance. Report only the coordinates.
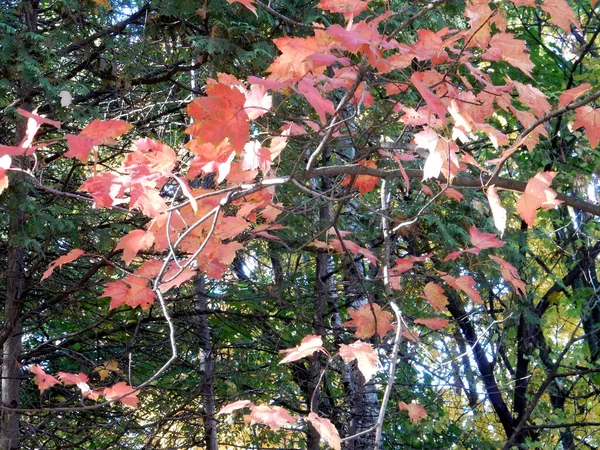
(498, 211)
(453, 194)
(172, 280)
(309, 344)
(434, 294)
(103, 189)
(105, 369)
(274, 417)
(33, 124)
(231, 407)
(69, 257)
(255, 157)
(219, 116)
(370, 319)
(326, 430)
(293, 63)
(353, 248)
(484, 241)
(132, 291)
(120, 389)
(364, 183)
(435, 104)
(72, 378)
(435, 323)
(533, 98)
(133, 242)
(406, 263)
(416, 412)
(464, 283)
(510, 274)
(42, 379)
(350, 8)
(258, 102)
(589, 118)
(572, 94)
(96, 133)
(366, 358)
(504, 47)
(323, 106)
(561, 14)
(537, 194)
(247, 3)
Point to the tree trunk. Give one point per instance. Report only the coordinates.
(207, 365)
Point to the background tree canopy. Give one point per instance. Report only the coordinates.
(355, 224)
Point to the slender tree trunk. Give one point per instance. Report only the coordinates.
(9, 430)
(206, 364)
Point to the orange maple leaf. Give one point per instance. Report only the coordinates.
(309, 344)
(366, 358)
(247, 3)
(42, 379)
(510, 274)
(133, 242)
(69, 257)
(504, 47)
(572, 94)
(435, 323)
(561, 14)
(416, 412)
(589, 118)
(120, 389)
(464, 283)
(350, 8)
(132, 291)
(274, 417)
(370, 319)
(231, 407)
(364, 183)
(326, 430)
(483, 241)
(219, 116)
(434, 294)
(537, 194)
(96, 133)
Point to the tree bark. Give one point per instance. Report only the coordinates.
(207, 365)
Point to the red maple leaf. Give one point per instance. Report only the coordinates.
(103, 188)
(464, 283)
(133, 242)
(132, 291)
(69, 257)
(42, 379)
(219, 116)
(231, 407)
(533, 98)
(416, 412)
(366, 358)
(274, 417)
(350, 8)
(434, 294)
(510, 274)
(326, 430)
(482, 241)
(322, 106)
(572, 94)
(120, 389)
(310, 344)
(504, 47)
(96, 133)
(364, 183)
(72, 378)
(561, 14)
(589, 118)
(537, 194)
(435, 323)
(435, 104)
(370, 319)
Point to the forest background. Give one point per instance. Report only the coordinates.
(299, 224)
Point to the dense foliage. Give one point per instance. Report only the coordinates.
(296, 224)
